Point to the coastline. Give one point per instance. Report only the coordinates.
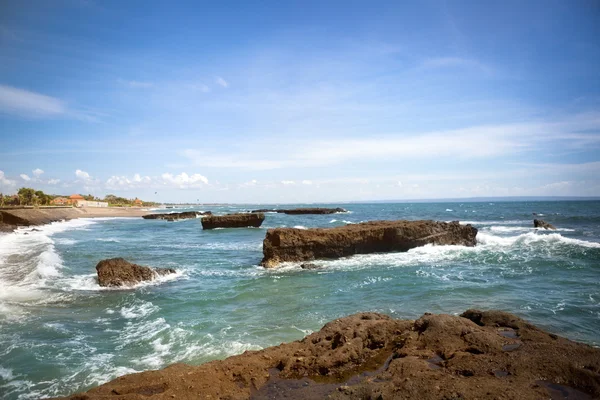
(10, 219)
(479, 354)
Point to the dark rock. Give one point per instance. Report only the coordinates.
(176, 216)
(310, 266)
(371, 356)
(301, 211)
(291, 244)
(120, 272)
(233, 221)
(538, 223)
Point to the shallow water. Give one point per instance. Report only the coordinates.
(61, 333)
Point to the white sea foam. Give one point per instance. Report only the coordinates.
(449, 210)
(6, 373)
(110, 239)
(300, 227)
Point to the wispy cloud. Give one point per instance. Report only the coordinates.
(25, 177)
(82, 175)
(222, 82)
(455, 62)
(37, 172)
(136, 84)
(29, 104)
(4, 181)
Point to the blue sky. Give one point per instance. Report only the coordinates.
(300, 101)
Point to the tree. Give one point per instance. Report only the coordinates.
(26, 196)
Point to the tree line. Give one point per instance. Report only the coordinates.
(31, 197)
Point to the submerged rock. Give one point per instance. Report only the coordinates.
(300, 211)
(538, 223)
(371, 355)
(291, 244)
(177, 216)
(233, 221)
(120, 272)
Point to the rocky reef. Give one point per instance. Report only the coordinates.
(233, 221)
(478, 355)
(120, 272)
(538, 223)
(301, 211)
(177, 216)
(291, 244)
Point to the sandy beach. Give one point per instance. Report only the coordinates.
(12, 218)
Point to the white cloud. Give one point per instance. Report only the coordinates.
(184, 180)
(288, 182)
(53, 181)
(454, 62)
(37, 172)
(5, 181)
(399, 183)
(136, 84)
(222, 82)
(25, 177)
(477, 142)
(82, 175)
(306, 182)
(29, 104)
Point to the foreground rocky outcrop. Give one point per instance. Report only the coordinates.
(291, 244)
(120, 272)
(538, 223)
(478, 355)
(300, 211)
(177, 216)
(233, 221)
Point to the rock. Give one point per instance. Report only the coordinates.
(177, 216)
(370, 355)
(291, 244)
(309, 266)
(233, 221)
(120, 272)
(538, 223)
(299, 211)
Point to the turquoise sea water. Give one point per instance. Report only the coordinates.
(61, 333)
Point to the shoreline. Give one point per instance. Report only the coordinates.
(479, 354)
(11, 219)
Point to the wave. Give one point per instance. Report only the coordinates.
(532, 238)
(89, 282)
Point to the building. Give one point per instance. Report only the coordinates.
(60, 201)
(75, 198)
(137, 202)
(86, 203)
(78, 201)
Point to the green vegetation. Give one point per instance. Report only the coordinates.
(32, 197)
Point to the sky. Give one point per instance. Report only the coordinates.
(308, 101)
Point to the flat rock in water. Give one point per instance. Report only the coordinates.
(373, 356)
(301, 211)
(292, 244)
(538, 223)
(242, 220)
(120, 272)
(177, 216)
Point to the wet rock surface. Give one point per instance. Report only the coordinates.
(300, 211)
(372, 356)
(120, 272)
(538, 223)
(246, 220)
(177, 216)
(291, 244)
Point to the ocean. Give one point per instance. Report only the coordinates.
(61, 333)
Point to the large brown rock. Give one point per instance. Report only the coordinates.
(479, 355)
(177, 216)
(233, 221)
(291, 244)
(300, 211)
(120, 272)
(538, 223)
